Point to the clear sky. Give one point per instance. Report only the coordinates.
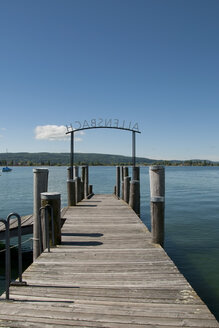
(154, 62)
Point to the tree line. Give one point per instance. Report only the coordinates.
(63, 159)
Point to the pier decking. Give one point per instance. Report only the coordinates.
(106, 273)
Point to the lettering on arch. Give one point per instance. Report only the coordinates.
(95, 123)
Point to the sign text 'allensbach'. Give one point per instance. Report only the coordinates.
(103, 123)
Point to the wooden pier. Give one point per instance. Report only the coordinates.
(106, 273)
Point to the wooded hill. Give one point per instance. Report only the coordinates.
(36, 159)
(31, 159)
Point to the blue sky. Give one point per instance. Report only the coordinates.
(154, 62)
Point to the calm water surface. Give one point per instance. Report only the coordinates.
(191, 223)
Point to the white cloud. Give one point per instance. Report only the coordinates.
(52, 133)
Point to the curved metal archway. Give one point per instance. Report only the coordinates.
(72, 131)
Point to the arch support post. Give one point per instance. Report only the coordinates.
(133, 149)
(72, 156)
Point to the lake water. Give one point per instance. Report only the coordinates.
(191, 215)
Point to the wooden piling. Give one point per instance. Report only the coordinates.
(86, 181)
(134, 197)
(117, 181)
(77, 189)
(76, 171)
(69, 173)
(83, 192)
(90, 190)
(40, 184)
(157, 220)
(157, 193)
(126, 188)
(136, 173)
(157, 180)
(121, 172)
(71, 192)
(125, 172)
(122, 189)
(54, 200)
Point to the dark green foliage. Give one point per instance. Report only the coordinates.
(47, 159)
(31, 159)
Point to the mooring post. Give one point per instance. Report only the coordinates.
(76, 172)
(77, 189)
(136, 173)
(126, 188)
(83, 192)
(121, 172)
(122, 187)
(40, 184)
(157, 220)
(90, 190)
(157, 193)
(125, 173)
(157, 180)
(71, 192)
(134, 196)
(54, 200)
(82, 187)
(117, 181)
(86, 181)
(69, 173)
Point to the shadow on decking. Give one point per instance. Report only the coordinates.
(93, 235)
(81, 243)
(52, 286)
(78, 205)
(93, 201)
(41, 301)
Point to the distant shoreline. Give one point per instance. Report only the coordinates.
(92, 159)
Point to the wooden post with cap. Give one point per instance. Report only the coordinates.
(157, 193)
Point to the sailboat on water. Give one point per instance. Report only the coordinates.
(6, 169)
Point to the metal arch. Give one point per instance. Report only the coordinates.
(72, 131)
(101, 127)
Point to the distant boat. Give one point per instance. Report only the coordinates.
(6, 169)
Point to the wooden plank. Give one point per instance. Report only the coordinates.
(106, 273)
